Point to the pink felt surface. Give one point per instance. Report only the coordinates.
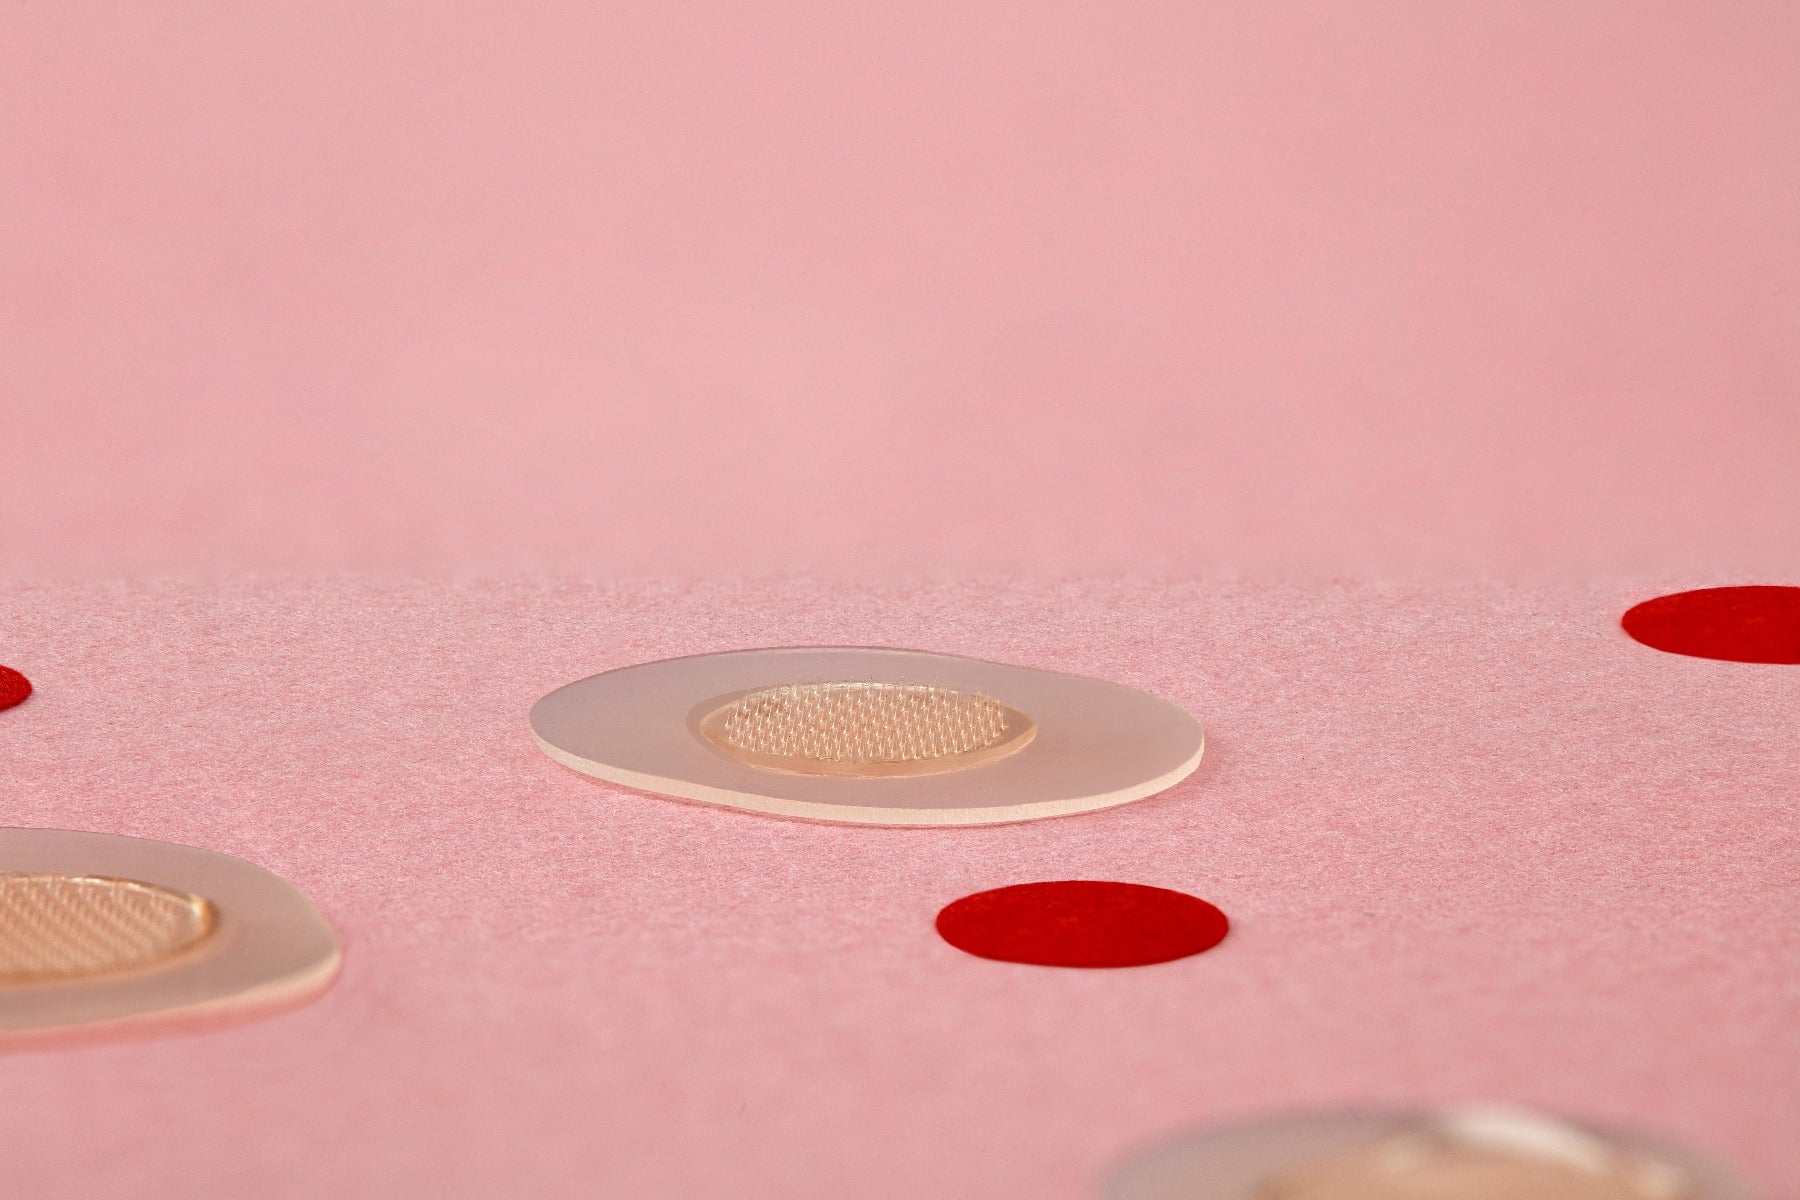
(1298, 289)
(1475, 843)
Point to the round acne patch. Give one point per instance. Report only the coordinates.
(870, 736)
(101, 934)
(1457, 1154)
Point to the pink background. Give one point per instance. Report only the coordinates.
(1484, 289)
(1338, 372)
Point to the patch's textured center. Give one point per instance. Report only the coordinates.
(862, 722)
(862, 728)
(68, 927)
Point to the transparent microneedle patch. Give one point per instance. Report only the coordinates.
(1458, 1154)
(870, 736)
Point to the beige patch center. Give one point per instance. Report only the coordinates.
(864, 729)
(58, 928)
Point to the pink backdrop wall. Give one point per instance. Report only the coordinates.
(880, 289)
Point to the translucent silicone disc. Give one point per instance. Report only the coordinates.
(872, 736)
(103, 934)
(1456, 1154)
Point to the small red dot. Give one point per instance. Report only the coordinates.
(1736, 624)
(1082, 923)
(14, 687)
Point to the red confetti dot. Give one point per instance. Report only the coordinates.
(1082, 923)
(14, 687)
(1736, 624)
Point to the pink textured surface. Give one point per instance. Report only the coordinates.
(1305, 289)
(1475, 842)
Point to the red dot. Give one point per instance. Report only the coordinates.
(1082, 923)
(14, 687)
(1736, 624)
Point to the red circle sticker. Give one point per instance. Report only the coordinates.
(1758, 624)
(1082, 923)
(14, 687)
